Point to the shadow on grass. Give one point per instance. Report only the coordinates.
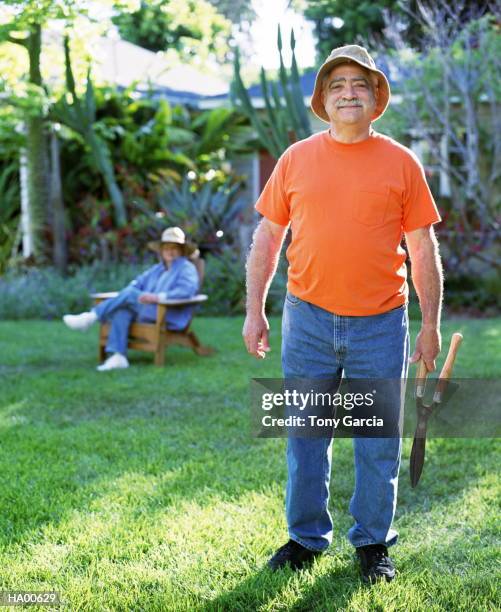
(263, 587)
(421, 576)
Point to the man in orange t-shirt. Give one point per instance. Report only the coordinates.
(349, 195)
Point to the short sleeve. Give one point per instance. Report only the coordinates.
(273, 202)
(419, 205)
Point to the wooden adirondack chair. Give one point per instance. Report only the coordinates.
(154, 337)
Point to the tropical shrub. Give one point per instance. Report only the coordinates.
(136, 145)
(207, 211)
(224, 284)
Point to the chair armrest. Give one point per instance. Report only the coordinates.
(104, 296)
(196, 299)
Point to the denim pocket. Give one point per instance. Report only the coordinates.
(370, 207)
(292, 299)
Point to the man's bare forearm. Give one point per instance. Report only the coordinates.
(427, 277)
(262, 265)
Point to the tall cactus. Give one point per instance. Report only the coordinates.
(284, 118)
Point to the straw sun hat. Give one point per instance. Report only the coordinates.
(175, 235)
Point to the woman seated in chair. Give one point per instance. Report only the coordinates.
(174, 278)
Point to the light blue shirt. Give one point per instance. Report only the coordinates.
(178, 282)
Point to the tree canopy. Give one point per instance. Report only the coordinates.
(341, 22)
(236, 11)
(191, 27)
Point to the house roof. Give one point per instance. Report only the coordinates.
(307, 81)
(123, 63)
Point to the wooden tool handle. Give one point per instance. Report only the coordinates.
(446, 372)
(422, 373)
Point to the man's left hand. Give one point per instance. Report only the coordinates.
(428, 345)
(148, 298)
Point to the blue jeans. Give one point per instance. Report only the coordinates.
(120, 311)
(319, 344)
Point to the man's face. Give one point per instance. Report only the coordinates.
(170, 251)
(348, 96)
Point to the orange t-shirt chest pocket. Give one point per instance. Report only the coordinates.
(370, 207)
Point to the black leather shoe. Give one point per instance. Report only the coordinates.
(292, 554)
(375, 563)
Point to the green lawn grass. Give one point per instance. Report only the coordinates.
(142, 489)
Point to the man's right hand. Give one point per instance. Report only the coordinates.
(255, 334)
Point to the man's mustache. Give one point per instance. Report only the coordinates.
(354, 102)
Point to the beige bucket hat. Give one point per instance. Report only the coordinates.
(174, 235)
(341, 55)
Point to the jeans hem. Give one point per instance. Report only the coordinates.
(365, 543)
(304, 545)
(372, 542)
(112, 351)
